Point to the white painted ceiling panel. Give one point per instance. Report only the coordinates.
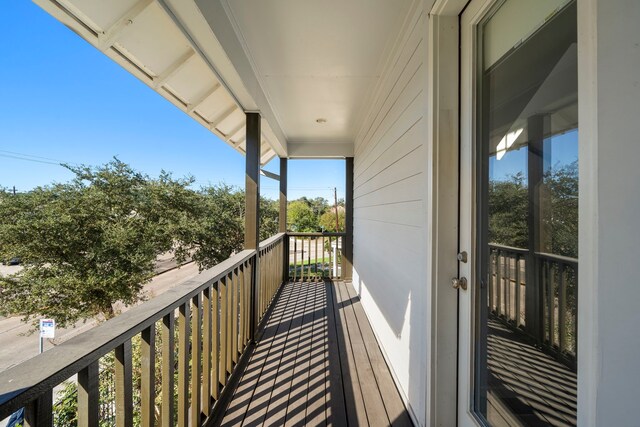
(336, 99)
(153, 40)
(103, 13)
(214, 107)
(231, 123)
(193, 80)
(317, 59)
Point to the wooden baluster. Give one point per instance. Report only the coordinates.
(562, 315)
(215, 342)
(229, 340)
(509, 293)
(517, 290)
(223, 330)
(88, 395)
(241, 285)
(499, 285)
(331, 254)
(206, 351)
(234, 316)
(124, 385)
(183, 365)
(295, 259)
(168, 369)
(247, 295)
(196, 359)
(551, 302)
(39, 412)
(148, 376)
(491, 278)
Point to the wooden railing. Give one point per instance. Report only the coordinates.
(507, 288)
(552, 297)
(315, 256)
(188, 341)
(558, 278)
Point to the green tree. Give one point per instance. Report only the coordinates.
(94, 241)
(85, 244)
(508, 210)
(328, 220)
(269, 218)
(301, 218)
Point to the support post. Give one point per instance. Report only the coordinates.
(282, 228)
(534, 313)
(347, 252)
(252, 206)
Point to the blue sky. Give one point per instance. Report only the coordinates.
(63, 100)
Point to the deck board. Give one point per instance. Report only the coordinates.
(317, 363)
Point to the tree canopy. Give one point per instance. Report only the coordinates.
(509, 204)
(94, 241)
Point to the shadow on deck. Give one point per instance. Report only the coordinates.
(316, 363)
(528, 387)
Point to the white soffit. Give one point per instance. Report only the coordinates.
(143, 37)
(313, 59)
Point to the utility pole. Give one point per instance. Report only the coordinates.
(14, 190)
(335, 198)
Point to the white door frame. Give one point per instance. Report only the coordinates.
(468, 301)
(451, 82)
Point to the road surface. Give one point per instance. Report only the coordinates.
(16, 345)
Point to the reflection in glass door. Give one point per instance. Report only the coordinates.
(527, 142)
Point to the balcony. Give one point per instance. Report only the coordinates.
(236, 348)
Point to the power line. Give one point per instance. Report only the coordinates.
(29, 160)
(33, 158)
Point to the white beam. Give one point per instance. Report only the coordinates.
(226, 113)
(109, 37)
(320, 150)
(192, 106)
(173, 69)
(234, 131)
(270, 174)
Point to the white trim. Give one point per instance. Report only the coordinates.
(245, 81)
(442, 202)
(588, 243)
(320, 150)
(472, 15)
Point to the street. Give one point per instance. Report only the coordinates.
(16, 345)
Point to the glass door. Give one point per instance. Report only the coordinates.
(519, 213)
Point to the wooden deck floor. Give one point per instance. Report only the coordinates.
(527, 386)
(317, 363)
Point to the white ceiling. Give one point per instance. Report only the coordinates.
(294, 61)
(147, 39)
(317, 59)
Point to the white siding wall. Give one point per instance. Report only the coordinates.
(390, 226)
(608, 312)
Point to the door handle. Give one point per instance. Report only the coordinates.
(459, 283)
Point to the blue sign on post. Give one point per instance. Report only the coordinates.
(47, 328)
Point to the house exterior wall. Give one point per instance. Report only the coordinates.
(390, 211)
(396, 219)
(608, 313)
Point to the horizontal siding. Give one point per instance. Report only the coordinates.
(390, 215)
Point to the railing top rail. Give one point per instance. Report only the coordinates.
(271, 240)
(326, 234)
(560, 258)
(28, 380)
(545, 255)
(508, 248)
